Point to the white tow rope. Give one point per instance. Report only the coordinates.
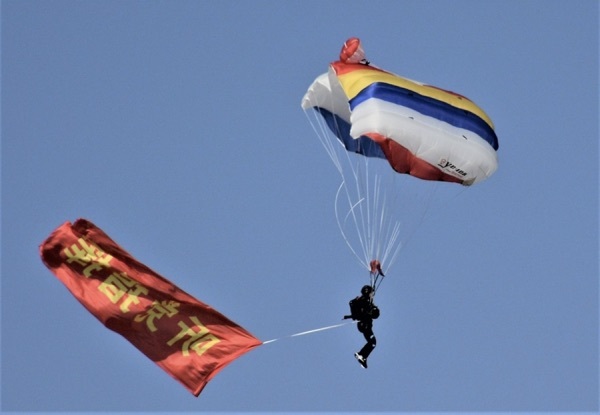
(310, 331)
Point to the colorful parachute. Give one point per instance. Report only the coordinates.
(421, 130)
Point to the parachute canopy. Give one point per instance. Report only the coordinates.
(367, 120)
(421, 130)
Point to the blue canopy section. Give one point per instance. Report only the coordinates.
(341, 128)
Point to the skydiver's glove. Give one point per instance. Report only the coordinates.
(346, 317)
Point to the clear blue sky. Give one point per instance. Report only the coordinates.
(176, 127)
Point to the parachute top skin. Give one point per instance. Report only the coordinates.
(421, 130)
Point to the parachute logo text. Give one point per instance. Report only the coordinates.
(447, 166)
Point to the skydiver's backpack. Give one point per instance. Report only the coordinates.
(355, 309)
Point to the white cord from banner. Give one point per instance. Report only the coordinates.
(310, 331)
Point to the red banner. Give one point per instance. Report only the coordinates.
(185, 337)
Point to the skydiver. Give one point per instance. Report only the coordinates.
(365, 311)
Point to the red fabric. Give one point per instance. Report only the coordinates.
(342, 68)
(185, 337)
(403, 161)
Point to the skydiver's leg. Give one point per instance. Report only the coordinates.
(367, 331)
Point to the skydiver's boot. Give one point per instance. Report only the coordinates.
(361, 360)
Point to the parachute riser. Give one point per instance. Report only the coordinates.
(376, 275)
(376, 280)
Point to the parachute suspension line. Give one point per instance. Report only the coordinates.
(371, 207)
(332, 147)
(379, 205)
(378, 223)
(393, 248)
(369, 188)
(365, 227)
(320, 128)
(341, 227)
(359, 224)
(401, 230)
(366, 205)
(376, 232)
(329, 144)
(426, 205)
(383, 231)
(392, 245)
(356, 207)
(368, 229)
(362, 227)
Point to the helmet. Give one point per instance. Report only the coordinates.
(366, 290)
